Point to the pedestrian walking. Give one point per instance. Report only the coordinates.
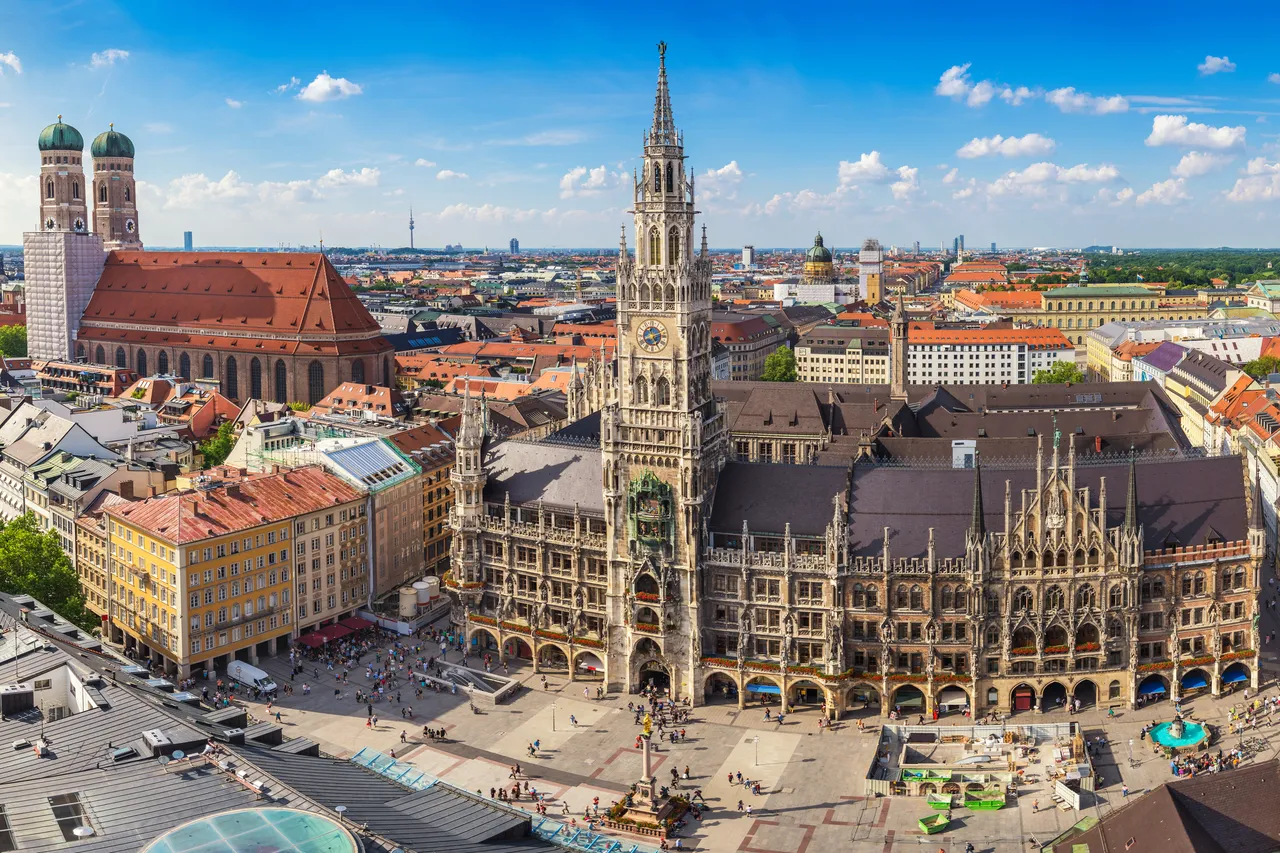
(1124, 790)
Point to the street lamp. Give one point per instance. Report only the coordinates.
(553, 716)
(756, 741)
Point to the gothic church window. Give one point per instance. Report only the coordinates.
(671, 184)
(282, 380)
(121, 359)
(917, 598)
(206, 367)
(655, 246)
(1053, 598)
(48, 190)
(1117, 596)
(162, 362)
(142, 363)
(102, 192)
(642, 390)
(1022, 599)
(657, 178)
(232, 379)
(315, 382)
(75, 190)
(1084, 597)
(184, 366)
(357, 370)
(255, 378)
(127, 195)
(673, 247)
(662, 392)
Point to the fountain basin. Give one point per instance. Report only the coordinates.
(1193, 736)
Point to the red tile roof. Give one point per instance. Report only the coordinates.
(193, 516)
(275, 302)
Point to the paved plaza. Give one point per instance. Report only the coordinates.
(811, 780)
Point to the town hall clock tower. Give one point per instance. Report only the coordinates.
(664, 439)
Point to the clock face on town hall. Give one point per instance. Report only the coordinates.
(651, 336)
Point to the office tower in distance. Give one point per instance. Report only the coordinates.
(993, 245)
(960, 240)
(515, 246)
(955, 246)
(186, 241)
(748, 256)
(915, 247)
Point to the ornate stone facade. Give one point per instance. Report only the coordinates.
(628, 546)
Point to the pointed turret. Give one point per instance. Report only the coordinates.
(898, 352)
(1257, 523)
(663, 131)
(977, 523)
(1131, 498)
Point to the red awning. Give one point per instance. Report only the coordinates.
(312, 640)
(337, 632)
(356, 623)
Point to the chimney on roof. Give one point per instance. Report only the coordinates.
(233, 490)
(126, 489)
(275, 469)
(1097, 444)
(151, 491)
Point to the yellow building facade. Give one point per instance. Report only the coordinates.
(203, 577)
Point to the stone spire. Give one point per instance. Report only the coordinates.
(898, 352)
(1131, 499)
(663, 131)
(977, 524)
(1255, 502)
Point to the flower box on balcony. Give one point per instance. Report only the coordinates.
(482, 620)
(1200, 660)
(1024, 650)
(1155, 666)
(551, 635)
(1089, 647)
(1052, 650)
(588, 642)
(763, 666)
(515, 626)
(1243, 653)
(651, 597)
(725, 662)
(647, 627)
(906, 676)
(952, 676)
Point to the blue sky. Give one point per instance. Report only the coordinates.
(1025, 124)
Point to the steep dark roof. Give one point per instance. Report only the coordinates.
(768, 496)
(1222, 813)
(1185, 501)
(560, 475)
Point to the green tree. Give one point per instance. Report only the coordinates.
(217, 449)
(33, 563)
(780, 366)
(1261, 368)
(1062, 371)
(13, 341)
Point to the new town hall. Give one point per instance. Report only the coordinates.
(847, 546)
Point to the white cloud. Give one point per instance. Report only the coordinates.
(424, 163)
(293, 83)
(1171, 191)
(1177, 130)
(1115, 198)
(158, 127)
(1215, 65)
(11, 60)
(1068, 100)
(1273, 77)
(366, 177)
(1017, 96)
(326, 88)
(950, 177)
(720, 183)
(194, 191)
(107, 58)
(450, 175)
(583, 181)
(867, 168)
(955, 83)
(234, 104)
(1261, 182)
(1196, 163)
(907, 183)
(1031, 145)
(1037, 178)
(554, 137)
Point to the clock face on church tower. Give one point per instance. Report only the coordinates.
(651, 336)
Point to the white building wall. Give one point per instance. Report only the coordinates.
(62, 269)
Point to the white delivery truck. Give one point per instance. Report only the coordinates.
(250, 676)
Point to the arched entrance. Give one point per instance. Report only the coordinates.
(1193, 682)
(1153, 688)
(588, 665)
(654, 675)
(805, 693)
(552, 657)
(762, 689)
(1235, 675)
(863, 700)
(908, 699)
(927, 788)
(1022, 698)
(518, 648)
(1085, 693)
(1055, 637)
(720, 688)
(483, 640)
(952, 700)
(1053, 697)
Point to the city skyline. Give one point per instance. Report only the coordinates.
(249, 140)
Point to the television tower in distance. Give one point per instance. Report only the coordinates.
(410, 226)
